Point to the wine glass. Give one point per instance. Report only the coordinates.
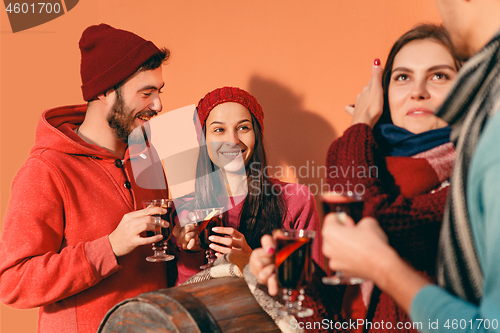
(160, 248)
(348, 203)
(293, 268)
(207, 219)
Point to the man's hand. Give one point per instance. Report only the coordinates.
(353, 249)
(363, 250)
(127, 235)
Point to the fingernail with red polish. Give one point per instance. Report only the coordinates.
(377, 62)
(270, 250)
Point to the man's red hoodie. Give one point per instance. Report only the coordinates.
(54, 251)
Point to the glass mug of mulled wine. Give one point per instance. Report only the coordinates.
(207, 219)
(160, 248)
(294, 268)
(343, 203)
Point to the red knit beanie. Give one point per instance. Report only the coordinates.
(224, 95)
(109, 56)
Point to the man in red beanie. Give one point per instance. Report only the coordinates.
(74, 239)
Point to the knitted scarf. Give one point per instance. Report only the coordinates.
(396, 141)
(474, 98)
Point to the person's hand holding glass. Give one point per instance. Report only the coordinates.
(129, 234)
(285, 261)
(350, 248)
(160, 248)
(293, 268)
(195, 230)
(208, 219)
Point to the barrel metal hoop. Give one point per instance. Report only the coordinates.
(183, 301)
(196, 309)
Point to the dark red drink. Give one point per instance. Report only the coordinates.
(351, 204)
(293, 261)
(166, 232)
(205, 230)
(160, 248)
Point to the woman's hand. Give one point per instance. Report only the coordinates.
(187, 236)
(262, 264)
(355, 250)
(234, 241)
(370, 103)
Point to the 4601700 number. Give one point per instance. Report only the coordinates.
(477, 324)
(25, 8)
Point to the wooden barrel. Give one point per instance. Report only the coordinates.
(219, 305)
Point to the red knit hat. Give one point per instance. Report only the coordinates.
(224, 95)
(109, 56)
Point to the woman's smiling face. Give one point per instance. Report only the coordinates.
(422, 74)
(230, 136)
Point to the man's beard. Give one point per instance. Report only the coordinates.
(121, 120)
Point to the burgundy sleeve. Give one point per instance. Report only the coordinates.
(412, 224)
(326, 302)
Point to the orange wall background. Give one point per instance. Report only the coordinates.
(303, 60)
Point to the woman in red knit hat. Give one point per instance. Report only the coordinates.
(231, 173)
(402, 157)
